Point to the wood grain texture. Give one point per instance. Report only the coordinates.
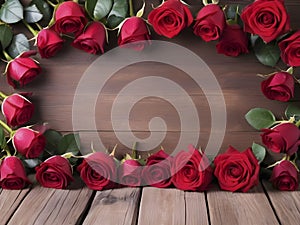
(195, 209)
(114, 207)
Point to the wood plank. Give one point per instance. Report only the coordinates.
(115, 207)
(240, 208)
(286, 204)
(196, 208)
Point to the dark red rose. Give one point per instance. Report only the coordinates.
(129, 173)
(170, 18)
(236, 171)
(210, 22)
(191, 170)
(290, 53)
(157, 171)
(283, 138)
(49, 43)
(12, 174)
(70, 18)
(17, 110)
(55, 172)
(93, 38)
(268, 19)
(279, 86)
(28, 142)
(233, 42)
(285, 176)
(134, 31)
(98, 170)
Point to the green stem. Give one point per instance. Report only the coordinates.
(33, 31)
(131, 10)
(298, 123)
(51, 3)
(7, 56)
(39, 26)
(75, 1)
(2, 95)
(7, 152)
(6, 127)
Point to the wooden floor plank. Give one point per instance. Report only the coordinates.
(114, 207)
(196, 212)
(250, 208)
(286, 204)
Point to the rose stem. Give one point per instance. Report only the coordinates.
(7, 56)
(6, 127)
(33, 31)
(39, 26)
(131, 10)
(51, 3)
(2, 95)
(298, 123)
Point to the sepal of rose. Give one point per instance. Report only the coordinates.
(285, 158)
(206, 2)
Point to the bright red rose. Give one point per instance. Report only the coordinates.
(279, 86)
(134, 31)
(12, 174)
(236, 171)
(268, 19)
(233, 42)
(285, 176)
(210, 22)
(283, 138)
(157, 171)
(170, 18)
(49, 43)
(129, 173)
(93, 38)
(290, 53)
(191, 170)
(98, 170)
(28, 142)
(17, 110)
(55, 172)
(70, 18)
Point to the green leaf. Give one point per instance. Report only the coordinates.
(259, 152)
(69, 143)
(260, 118)
(53, 138)
(44, 8)
(11, 11)
(18, 45)
(31, 163)
(90, 6)
(32, 14)
(118, 13)
(6, 35)
(2, 138)
(292, 110)
(101, 9)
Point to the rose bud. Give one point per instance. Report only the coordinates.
(267, 19)
(285, 176)
(290, 49)
(28, 142)
(170, 18)
(17, 110)
(134, 31)
(129, 173)
(157, 171)
(13, 174)
(98, 170)
(279, 86)
(191, 170)
(55, 172)
(48, 43)
(21, 71)
(236, 171)
(93, 38)
(210, 22)
(283, 138)
(70, 18)
(233, 41)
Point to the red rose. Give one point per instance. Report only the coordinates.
(92, 39)
(233, 41)
(170, 18)
(134, 31)
(55, 172)
(191, 170)
(98, 170)
(21, 71)
(290, 49)
(283, 138)
(70, 18)
(28, 142)
(236, 171)
(157, 171)
(285, 176)
(279, 86)
(210, 22)
(13, 174)
(17, 110)
(268, 19)
(130, 173)
(48, 43)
